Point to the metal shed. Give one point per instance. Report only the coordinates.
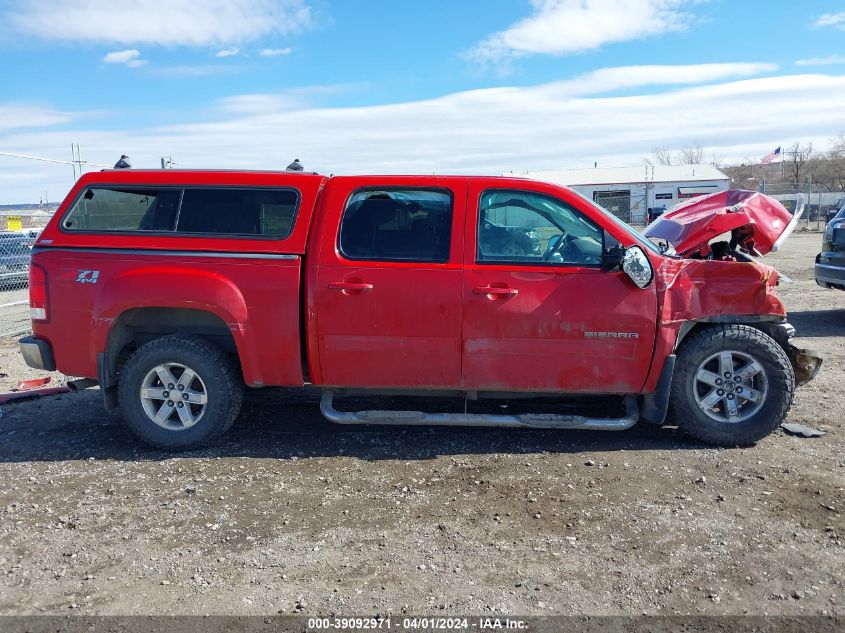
(630, 192)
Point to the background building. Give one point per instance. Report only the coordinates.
(629, 192)
(25, 216)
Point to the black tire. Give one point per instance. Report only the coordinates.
(220, 379)
(684, 408)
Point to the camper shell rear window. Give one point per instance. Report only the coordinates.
(262, 212)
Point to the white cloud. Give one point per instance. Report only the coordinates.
(15, 116)
(252, 104)
(831, 19)
(197, 70)
(560, 27)
(163, 22)
(830, 60)
(293, 99)
(600, 81)
(626, 77)
(563, 124)
(131, 58)
(275, 52)
(228, 52)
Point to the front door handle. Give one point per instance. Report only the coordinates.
(495, 293)
(350, 287)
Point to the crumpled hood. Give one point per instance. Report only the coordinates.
(758, 224)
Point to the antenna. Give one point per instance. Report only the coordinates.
(76, 160)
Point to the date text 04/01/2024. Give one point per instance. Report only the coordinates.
(415, 623)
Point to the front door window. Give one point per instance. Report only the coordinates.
(533, 229)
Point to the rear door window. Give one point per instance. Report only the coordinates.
(397, 225)
(260, 211)
(124, 209)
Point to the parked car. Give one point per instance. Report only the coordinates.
(15, 254)
(830, 262)
(173, 290)
(835, 208)
(654, 213)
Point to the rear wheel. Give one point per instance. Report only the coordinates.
(733, 385)
(179, 393)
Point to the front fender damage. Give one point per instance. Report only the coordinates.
(730, 292)
(693, 291)
(697, 290)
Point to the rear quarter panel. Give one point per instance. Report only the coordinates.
(258, 300)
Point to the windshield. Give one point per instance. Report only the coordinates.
(642, 239)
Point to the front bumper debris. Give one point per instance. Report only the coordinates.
(805, 363)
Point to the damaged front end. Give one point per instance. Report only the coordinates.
(757, 225)
(724, 281)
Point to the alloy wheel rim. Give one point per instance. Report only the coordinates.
(173, 396)
(730, 386)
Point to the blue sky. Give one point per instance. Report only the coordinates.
(377, 86)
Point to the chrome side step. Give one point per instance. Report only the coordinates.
(535, 420)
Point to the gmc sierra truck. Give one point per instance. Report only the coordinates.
(174, 290)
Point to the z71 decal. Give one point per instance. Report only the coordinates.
(87, 276)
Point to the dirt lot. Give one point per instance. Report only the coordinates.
(290, 514)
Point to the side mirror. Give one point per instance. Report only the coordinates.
(636, 265)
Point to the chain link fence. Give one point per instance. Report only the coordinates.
(15, 257)
(628, 206)
(820, 207)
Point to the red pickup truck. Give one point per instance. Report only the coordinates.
(174, 290)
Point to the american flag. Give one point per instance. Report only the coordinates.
(768, 158)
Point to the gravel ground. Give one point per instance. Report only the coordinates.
(290, 514)
(14, 309)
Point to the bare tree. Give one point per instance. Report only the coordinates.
(837, 146)
(798, 162)
(663, 156)
(835, 168)
(718, 160)
(826, 174)
(742, 174)
(692, 155)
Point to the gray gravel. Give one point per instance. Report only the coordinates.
(290, 514)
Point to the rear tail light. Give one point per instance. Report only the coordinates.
(38, 293)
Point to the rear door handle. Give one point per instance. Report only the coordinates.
(350, 287)
(495, 293)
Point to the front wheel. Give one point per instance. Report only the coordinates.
(733, 385)
(178, 393)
